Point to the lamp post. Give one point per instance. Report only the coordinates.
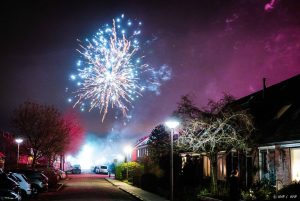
(172, 124)
(18, 141)
(127, 151)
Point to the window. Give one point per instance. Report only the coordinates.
(267, 165)
(206, 166)
(141, 152)
(295, 160)
(222, 166)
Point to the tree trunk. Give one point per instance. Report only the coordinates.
(33, 160)
(214, 168)
(49, 161)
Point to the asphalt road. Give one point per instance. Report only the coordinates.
(86, 187)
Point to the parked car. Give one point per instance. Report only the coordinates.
(39, 182)
(23, 181)
(8, 184)
(103, 169)
(8, 195)
(61, 174)
(68, 171)
(76, 169)
(52, 176)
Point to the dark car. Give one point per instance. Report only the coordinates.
(38, 180)
(23, 181)
(52, 176)
(6, 195)
(76, 169)
(8, 184)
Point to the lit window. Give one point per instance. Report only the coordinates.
(295, 159)
(221, 166)
(206, 166)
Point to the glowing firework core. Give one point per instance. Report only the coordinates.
(112, 69)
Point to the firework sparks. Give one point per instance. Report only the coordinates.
(112, 73)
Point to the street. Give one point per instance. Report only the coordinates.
(86, 187)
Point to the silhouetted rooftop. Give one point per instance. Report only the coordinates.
(276, 110)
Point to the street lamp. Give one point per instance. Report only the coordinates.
(172, 124)
(127, 151)
(18, 141)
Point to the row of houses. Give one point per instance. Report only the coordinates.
(276, 155)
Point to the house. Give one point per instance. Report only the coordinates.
(140, 149)
(276, 112)
(275, 155)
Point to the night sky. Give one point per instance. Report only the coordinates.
(212, 46)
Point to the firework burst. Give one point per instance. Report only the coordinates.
(112, 73)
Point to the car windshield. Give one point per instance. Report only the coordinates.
(25, 178)
(103, 167)
(15, 178)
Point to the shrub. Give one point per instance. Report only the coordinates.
(204, 192)
(262, 190)
(119, 170)
(222, 192)
(135, 171)
(248, 195)
(149, 182)
(290, 191)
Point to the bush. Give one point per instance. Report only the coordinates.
(248, 195)
(135, 171)
(119, 170)
(222, 193)
(149, 182)
(262, 190)
(204, 192)
(290, 191)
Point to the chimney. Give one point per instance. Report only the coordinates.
(264, 88)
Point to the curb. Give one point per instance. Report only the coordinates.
(60, 186)
(126, 191)
(134, 195)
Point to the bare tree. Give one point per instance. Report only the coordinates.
(221, 129)
(44, 130)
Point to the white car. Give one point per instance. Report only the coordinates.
(24, 183)
(101, 169)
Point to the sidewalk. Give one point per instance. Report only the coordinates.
(55, 188)
(136, 192)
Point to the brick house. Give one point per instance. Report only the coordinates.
(276, 112)
(276, 154)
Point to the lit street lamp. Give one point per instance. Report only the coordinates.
(172, 124)
(18, 141)
(127, 151)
